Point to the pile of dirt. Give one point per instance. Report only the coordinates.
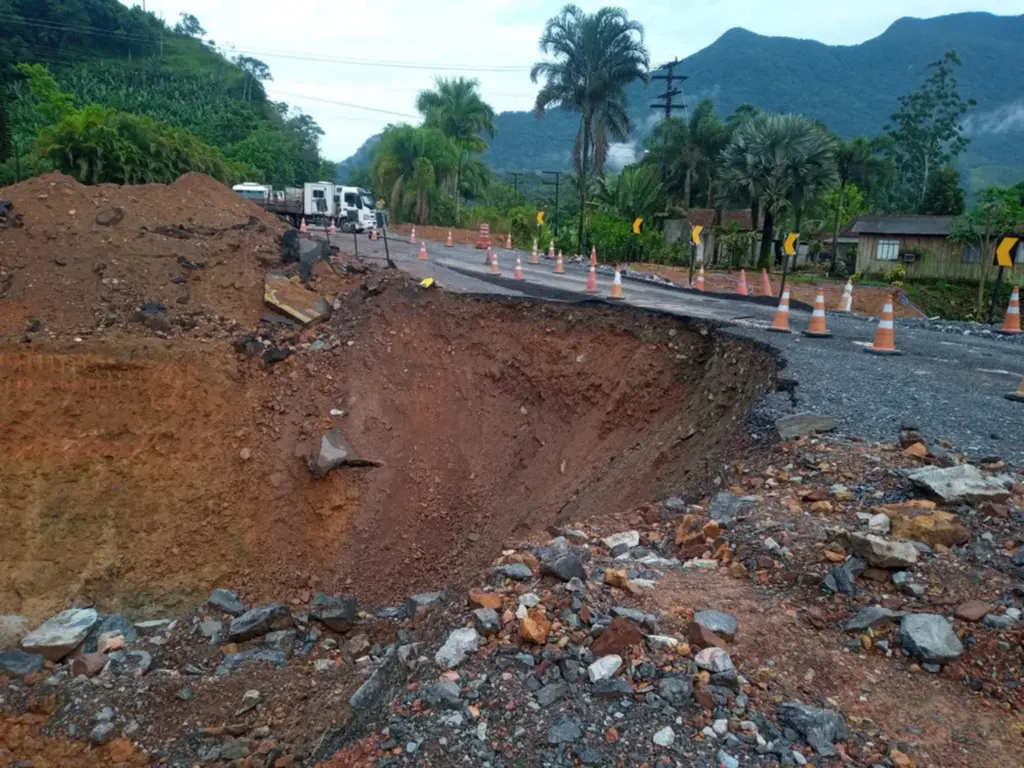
(81, 260)
(137, 477)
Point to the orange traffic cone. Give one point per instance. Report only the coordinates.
(846, 303)
(885, 336)
(616, 285)
(766, 284)
(373, 235)
(302, 225)
(818, 327)
(412, 235)
(593, 255)
(332, 230)
(559, 269)
(487, 256)
(700, 279)
(1012, 322)
(741, 289)
(448, 243)
(534, 254)
(551, 249)
(781, 322)
(1017, 396)
(518, 273)
(495, 269)
(592, 280)
(423, 252)
(508, 242)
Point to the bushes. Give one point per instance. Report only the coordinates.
(97, 145)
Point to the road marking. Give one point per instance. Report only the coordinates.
(863, 343)
(996, 370)
(952, 344)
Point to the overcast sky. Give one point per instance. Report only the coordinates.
(497, 35)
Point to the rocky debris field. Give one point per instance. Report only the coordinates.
(836, 603)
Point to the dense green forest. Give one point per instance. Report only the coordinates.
(852, 89)
(164, 84)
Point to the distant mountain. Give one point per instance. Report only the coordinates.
(853, 89)
(360, 159)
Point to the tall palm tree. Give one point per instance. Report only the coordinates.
(687, 151)
(596, 56)
(455, 108)
(637, 192)
(417, 159)
(853, 159)
(778, 160)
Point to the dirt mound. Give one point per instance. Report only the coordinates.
(85, 258)
(139, 478)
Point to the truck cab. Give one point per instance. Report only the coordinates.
(355, 209)
(258, 193)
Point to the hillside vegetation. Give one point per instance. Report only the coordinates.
(100, 52)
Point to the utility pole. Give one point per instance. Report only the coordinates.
(670, 79)
(515, 185)
(555, 184)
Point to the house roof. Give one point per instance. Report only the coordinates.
(935, 226)
(705, 217)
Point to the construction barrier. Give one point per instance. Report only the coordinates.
(1012, 322)
(448, 243)
(593, 255)
(423, 252)
(781, 322)
(508, 242)
(885, 336)
(551, 249)
(592, 280)
(818, 328)
(741, 287)
(412, 235)
(766, 284)
(534, 255)
(518, 274)
(484, 238)
(616, 286)
(559, 268)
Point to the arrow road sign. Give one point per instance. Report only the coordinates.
(1004, 251)
(695, 234)
(789, 247)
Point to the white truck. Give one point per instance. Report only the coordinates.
(258, 193)
(322, 203)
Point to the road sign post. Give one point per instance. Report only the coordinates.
(789, 246)
(1003, 258)
(695, 233)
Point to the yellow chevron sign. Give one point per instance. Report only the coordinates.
(1004, 251)
(695, 234)
(540, 218)
(638, 225)
(789, 247)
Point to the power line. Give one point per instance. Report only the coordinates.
(670, 92)
(351, 106)
(555, 184)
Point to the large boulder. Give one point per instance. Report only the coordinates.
(335, 612)
(869, 616)
(59, 636)
(259, 621)
(717, 622)
(930, 637)
(566, 567)
(882, 553)
(937, 529)
(959, 484)
(226, 600)
(725, 508)
(334, 451)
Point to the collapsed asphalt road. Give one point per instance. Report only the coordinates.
(951, 387)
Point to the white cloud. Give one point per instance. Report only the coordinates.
(487, 33)
(1008, 118)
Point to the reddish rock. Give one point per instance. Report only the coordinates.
(993, 509)
(822, 507)
(616, 637)
(692, 551)
(88, 664)
(535, 627)
(879, 575)
(702, 637)
(765, 562)
(910, 437)
(485, 599)
(817, 617)
(938, 529)
(815, 494)
(711, 530)
(704, 698)
(915, 451)
(686, 526)
(973, 610)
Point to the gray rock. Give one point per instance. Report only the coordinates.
(604, 668)
(665, 737)
(905, 583)
(930, 637)
(367, 692)
(422, 600)
(718, 622)
(589, 756)
(843, 577)
(336, 612)
(615, 686)
(448, 693)
(259, 621)
(487, 620)
(283, 640)
(226, 600)
(675, 690)
(210, 629)
(112, 623)
(725, 508)
(233, 661)
(869, 616)
(998, 621)
(714, 660)
(517, 571)
(102, 733)
(673, 505)
(459, 643)
(803, 425)
(334, 452)
(59, 636)
(959, 484)
(12, 629)
(820, 728)
(233, 749)
(882, 553)
(725, 760)
(880, 524)
(549, 694)
(128, 663)
(565, 731)
(629, 538)
(18, 663)
(565, 567)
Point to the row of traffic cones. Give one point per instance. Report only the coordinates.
(885, 334)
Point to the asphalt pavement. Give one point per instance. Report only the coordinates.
(952, 387)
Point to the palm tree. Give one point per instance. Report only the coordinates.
(687, 151)
(637, 192)
(777, 160)
(853, 158)
(416, 158)
(456, 109)
(597, 56)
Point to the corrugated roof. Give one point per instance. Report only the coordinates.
(935, 226)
